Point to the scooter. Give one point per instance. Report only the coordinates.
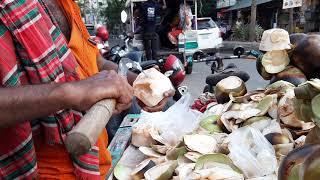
(126, 51)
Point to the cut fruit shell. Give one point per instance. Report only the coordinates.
(206, 161)
(288, 115)
(316, 109)
(294, 158)
(144, 166)
(239, 116)
(149, 152)
(193, 156)
(230, 85)
(141, 136)
(255, 119)
(203, 144)
(162, 149)
(184, 170)
(174, 153)
(162, 171)
(122, 172)
(211, 124)
(266, 103)
(277, 138)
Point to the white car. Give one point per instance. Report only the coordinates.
(209, 35)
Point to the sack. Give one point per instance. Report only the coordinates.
(174, 123)
(252, 152)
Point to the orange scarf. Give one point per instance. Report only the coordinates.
(86, 55)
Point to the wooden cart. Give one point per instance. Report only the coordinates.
(120, 147)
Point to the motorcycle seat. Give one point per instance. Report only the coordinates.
(148, 64)
(213, 79)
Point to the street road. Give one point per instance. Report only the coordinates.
(196, 81)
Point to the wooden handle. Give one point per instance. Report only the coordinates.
(85, 134)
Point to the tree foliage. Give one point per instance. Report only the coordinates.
(112, 15)
(207, 8)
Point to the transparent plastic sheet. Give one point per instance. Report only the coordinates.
(174, 123)
(252, 153)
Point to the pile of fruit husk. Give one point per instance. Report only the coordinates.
(304, 61)
(282, 114)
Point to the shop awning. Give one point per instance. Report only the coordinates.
(246, 3)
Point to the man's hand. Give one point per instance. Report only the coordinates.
(83, 94)
(159, 107)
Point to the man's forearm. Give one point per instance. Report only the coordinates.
(104, 64)
(29, 102)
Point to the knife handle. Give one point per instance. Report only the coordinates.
(85, 134)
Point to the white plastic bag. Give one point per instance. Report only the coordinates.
(252, 152)
(174, 123)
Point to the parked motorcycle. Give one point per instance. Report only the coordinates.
(219, 73)
(126, 51)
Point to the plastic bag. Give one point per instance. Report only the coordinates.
(252, 152)
(174, 123)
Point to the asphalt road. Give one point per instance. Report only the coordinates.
(196, 81)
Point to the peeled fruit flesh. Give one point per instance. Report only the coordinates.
(203, 144)
(150, 86)
(162, 171)
(275, 61)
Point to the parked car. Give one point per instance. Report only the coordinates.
(209, 35)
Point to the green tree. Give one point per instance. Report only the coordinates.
(112, 15)
(207, 8)
(252, 30)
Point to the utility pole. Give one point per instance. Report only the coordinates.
(291, 25)
(252, 29)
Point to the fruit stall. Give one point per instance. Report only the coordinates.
(265, 134)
